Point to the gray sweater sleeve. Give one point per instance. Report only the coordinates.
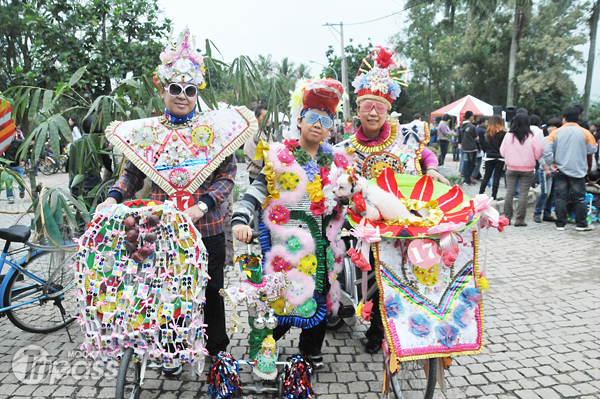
(252, 201)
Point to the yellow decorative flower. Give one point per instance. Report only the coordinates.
(308, 265)
(289, 181)
(314, 190)
(281, 307)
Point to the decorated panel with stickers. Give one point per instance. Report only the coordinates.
(141, 275)
(427, 266)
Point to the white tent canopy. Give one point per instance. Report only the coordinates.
(468, 103)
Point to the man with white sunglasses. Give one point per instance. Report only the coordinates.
(188, 155)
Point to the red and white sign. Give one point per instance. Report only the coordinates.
(182, 200)
(424, 253)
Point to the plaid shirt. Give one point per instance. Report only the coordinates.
(218, 186)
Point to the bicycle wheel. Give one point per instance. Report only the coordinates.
(57, 284)
(47, 166)
(411, 381)
(335, 323)
(102, 192)
(129, 377)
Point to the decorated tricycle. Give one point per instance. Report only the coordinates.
(430, 276)
(141, 274)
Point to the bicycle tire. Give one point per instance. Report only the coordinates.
(129, 377)
(411, 381)
(102, 192)
(335, 323)
(46, 167)
(43, 316)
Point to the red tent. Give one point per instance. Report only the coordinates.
(468, 103)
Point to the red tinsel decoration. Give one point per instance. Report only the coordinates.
(297, 374)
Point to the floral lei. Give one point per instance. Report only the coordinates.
(317, 170)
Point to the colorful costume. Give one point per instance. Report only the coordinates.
(301, 222)
(189, 160)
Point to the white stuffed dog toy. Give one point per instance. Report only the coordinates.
(380, 205)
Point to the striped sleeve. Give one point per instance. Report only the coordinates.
(252, 201)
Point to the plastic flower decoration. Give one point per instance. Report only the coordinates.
(181, 62)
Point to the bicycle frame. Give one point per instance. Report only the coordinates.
(14, 268)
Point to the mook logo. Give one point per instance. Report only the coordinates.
(32, 364)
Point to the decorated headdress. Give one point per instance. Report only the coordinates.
(382, 81)
(322, 94)
(180, 62)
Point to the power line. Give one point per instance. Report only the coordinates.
(389, 15)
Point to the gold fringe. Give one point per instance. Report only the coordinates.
(205, 173)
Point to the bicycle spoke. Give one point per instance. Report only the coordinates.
(43, 314)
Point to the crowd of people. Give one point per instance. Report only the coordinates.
(561, 156)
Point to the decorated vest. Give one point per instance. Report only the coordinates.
(179, 158)
(301, 223)
(401, 150)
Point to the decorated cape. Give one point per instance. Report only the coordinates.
(400, 150)
(141, 275)
(182, 157)
(428, 268)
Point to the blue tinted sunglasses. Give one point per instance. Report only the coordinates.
(313, 117)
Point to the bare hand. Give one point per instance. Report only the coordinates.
(547, 173)
(108, 202)
(554, 168)
(242, 232)
(436, 176)
(460, 146)
(194, 212)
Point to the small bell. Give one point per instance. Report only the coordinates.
(271, 322)
(259, 322)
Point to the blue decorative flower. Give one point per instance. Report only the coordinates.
(326, 148)
(419, 325)
(311, 168)
(461, 316)
(446, 333)
(393, 306)
(470, 296)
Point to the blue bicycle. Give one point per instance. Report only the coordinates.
(37, 292)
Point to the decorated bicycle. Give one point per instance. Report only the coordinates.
(149, 272)
(422, 234)
(294, 284)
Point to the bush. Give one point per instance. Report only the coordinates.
(239, 155)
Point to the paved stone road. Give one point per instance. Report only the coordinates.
(541, 325)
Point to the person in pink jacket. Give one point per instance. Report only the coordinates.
(520, 149)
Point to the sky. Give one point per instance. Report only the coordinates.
(294, 29)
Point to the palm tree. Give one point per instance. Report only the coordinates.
(303, 71)
(286, 70)
(265, 66)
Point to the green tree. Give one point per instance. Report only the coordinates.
(354, 58)
(42, 41)
(546, 55)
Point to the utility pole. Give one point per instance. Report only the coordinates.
(344, 71)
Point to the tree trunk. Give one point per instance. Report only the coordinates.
(512, 61)
(449, 97)
(593, 22)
